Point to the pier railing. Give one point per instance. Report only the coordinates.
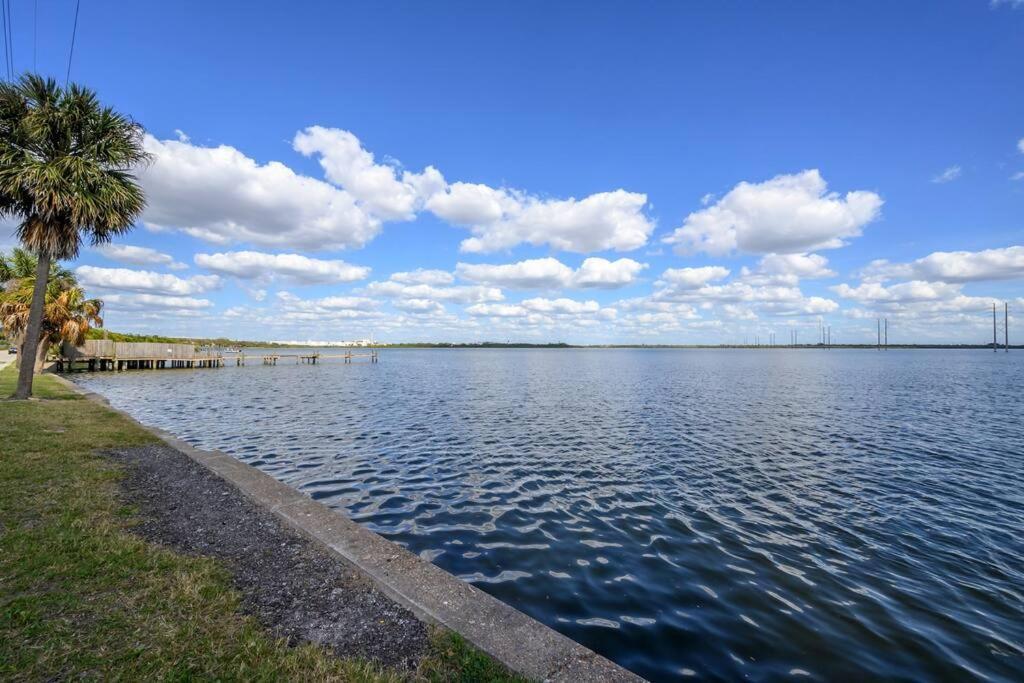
(104, 348)
(104, 354)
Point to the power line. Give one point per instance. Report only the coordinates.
(10, 37)
(74, 31)
(7, 58)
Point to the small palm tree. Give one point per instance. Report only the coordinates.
(65, 174)
(67, 314)
(21, 264)
(16, 265)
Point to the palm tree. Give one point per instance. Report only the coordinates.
(17, 278)
(16, 265)
(21, 264)
(67, 314)
(65, 173)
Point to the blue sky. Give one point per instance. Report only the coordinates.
(730, 169)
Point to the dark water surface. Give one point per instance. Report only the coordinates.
(719, 514)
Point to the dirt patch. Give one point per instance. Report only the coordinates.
(296, 588)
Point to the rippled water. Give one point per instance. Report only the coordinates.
(719, 514)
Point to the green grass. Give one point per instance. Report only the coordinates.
(80, 596)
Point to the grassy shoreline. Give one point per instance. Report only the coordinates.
(80, 595)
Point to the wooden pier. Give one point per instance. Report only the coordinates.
(311, 358)
(99, 355)
(102, 354)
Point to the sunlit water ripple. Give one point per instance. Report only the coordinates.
(719, 514)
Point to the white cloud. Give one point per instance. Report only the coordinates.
(222, 196)
(293, 309)
(948, 175)
(904, 292)
(743, 297)
(1020, 143)
(462, 294)
(800, 265)
(541, 273)
(953, 266)
(148, 302)
(138, 256)
(560, 306)
(360, 303)
(787, 214)
(145, 281)
(418, 306)
(501, 219)
(473, 204)
(497, 310)
(691, 278)
(604, 274)
(378, 187)
(546, 312)
(294, 267)
(550, 273)
(422, 276)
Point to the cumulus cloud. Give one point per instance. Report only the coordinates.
(294, 267)
(382, 189)
(691, 278)
(145, 281)
(148, 302)
(787, 214)
(904, 292)
(949, 175)
(501, 219)
(461, 294)
(953, 266)
(550, 273)
(497, 310)
(290, 310)
(138, 256)
(422, 276)
(219, 195)
(561, 306)
(742, 297)
(604, 274)
(807, 266)
(541, 310)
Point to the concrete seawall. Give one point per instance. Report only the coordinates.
(520, 642)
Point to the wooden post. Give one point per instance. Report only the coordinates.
(1006, 326)
(879, 322)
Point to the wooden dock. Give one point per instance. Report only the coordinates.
(311, 358)
(99, 355)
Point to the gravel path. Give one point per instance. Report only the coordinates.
(290, 584)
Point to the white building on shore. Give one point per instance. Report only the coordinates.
(323, 344)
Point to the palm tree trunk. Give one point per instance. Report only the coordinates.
(41, 351)
(35, 324)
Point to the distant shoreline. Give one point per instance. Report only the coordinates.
(247, 344)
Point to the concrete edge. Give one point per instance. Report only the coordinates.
(518, 641)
